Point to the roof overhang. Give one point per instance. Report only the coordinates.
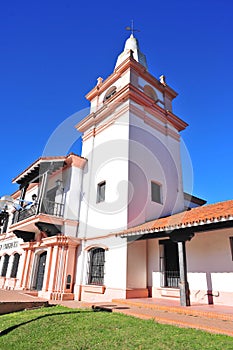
(48, 164)
(199, 219)
(38, 168)
(179, 234)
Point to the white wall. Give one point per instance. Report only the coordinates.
(107, 155)
(115, 261)
(209, 260)
(137, 265)
(153, 157)
(72, 178)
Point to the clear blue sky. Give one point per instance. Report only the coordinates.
(52, 52)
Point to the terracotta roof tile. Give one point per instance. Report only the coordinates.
(199, 215)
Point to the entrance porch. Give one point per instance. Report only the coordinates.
(49, 267)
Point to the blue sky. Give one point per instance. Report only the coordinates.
(52, 52)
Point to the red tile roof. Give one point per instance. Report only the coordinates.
(207, 214)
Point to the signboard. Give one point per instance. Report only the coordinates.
(9, 245)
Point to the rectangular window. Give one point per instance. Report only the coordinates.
(156, 192)
(231, 245)
(101, 192)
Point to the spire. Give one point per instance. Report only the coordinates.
(132, 44)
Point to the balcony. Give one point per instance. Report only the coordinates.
(47, 207)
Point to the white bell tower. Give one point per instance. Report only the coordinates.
(132, 143)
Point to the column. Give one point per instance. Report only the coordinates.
(27, 269)
(184, 286)
(23, 271)
(47, 269)
(42, 192)
(54, 269)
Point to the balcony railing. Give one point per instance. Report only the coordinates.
(47, 207)
(170, 279)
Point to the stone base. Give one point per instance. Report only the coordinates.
(137, 293)
(169, 293)
(56, 295)
(92, 293)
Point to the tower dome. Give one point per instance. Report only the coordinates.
(132, 44)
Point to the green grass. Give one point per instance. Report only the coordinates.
(62, 328)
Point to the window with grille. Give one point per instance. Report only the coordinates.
(156, 195)
(15, 265)
(101, 192)
(5, 265)
(169, 264)
(96, 266)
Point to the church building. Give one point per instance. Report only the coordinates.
(115, 222)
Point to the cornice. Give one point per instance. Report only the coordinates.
(131, 93)
(130, 64)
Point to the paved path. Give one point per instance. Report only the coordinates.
(214, 319)
(211, 318)
(12, 301)
(14, 296)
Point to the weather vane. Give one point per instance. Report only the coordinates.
(131, 28)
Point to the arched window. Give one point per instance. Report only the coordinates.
(149, 91)
(15, 265)
(5, 265)
(96, 266)
(110, 92)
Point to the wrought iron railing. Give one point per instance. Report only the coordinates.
(46, 207)
(170, 279)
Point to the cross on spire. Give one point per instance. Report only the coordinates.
(131, 28)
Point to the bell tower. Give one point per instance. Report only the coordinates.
(131, 139)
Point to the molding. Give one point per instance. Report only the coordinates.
(164, 128)
(58, 240)
(36, 218)
(131, 93)
(131, 64)
(96, 246)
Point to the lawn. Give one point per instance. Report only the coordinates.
(62, 328)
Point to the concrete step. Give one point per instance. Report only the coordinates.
(165, 316)
(192, 311)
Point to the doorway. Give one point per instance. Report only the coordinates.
(40, 271)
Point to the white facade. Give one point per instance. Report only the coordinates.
(129, 175)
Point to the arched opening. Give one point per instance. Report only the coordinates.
(5, 265)
(96, 266)
(149, 91)
(15, 265)
(110, 92)
(40, 271)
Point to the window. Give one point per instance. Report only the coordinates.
(231, 245)
(15, 265)
(169, 264)
(96, 266)
(156, 192)
(149, 91)
(110, 93)
(5, 265)
(101, 192)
